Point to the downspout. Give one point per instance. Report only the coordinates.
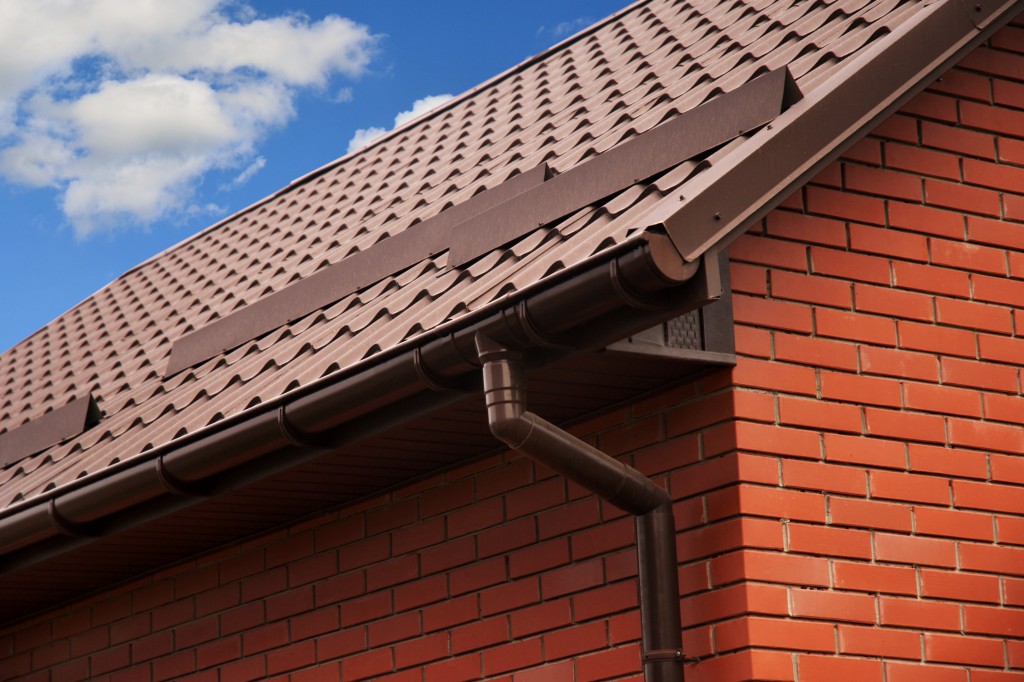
(609, 479)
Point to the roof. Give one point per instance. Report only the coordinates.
(595, 92)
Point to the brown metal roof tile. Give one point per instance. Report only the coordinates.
(584, 98)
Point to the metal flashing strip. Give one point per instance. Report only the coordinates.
(52, 428)
(694, 132)
(340, 279)
(499, 215)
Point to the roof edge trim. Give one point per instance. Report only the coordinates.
(814, 132)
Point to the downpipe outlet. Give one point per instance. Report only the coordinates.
(609, 479)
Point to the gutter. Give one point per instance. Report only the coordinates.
(628, 289)
(609, 479)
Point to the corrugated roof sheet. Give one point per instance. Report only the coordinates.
(613, 81)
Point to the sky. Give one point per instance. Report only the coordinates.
(128, 125)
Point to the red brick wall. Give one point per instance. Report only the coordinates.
(849, 498)
(881, 320)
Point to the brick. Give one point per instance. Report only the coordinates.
(881, 642)
(513, 656)
(341, 643)
(574, 578)
(931, 338)
(755, 631)
(848, 265)
(845, 206)
(604, 601)
(923, 161)
(576, 640)
(855, 326)
(992, 559)
(484, 633)
(448, 555)
(942, 460)
(1001, 349)
(776, 440)
(958, 140)
(974, 315)
(953, 523)
(931, 279)
(392, 572)
(995, 119)
(892, 485)
(418, 536)
(1013, 207)
(986, 435)
(968, 256)
(511, 596)
(869, 514)
(772, 314)
(898, 127)
(748, 279)
(476, 576)
(867, 151)
(992, 620)
(340, 588)
(963, 650)
(932, 105)
(454, 670)
(993, 175)
(920, 220)
(364, 609)
(961, 197)
(421, 650)
(806, 350)
(832, 606)
(291, 658)
(988, 496)
(769, 502)
(811, 289)
(539, 557)
(821, 476)
(828, 541)
(453, 612)
(1011, 150)
(913, 672)
(774, 376)
(367, 665)
(770, 567)
(893, 302)
(738, 531)
(902, 549)
(959, 586)
(772, 252)
(875, 578)
(870, 451)
(220, 651)
(314, 623)
(482, 515)
(819, 414)
(266, 637)
(860, 389)
(609, 664)
(942, 399)
(545, 616)
(917, 613)
(1007, 468)
(1010, 530)
(909, 426)
(806, 229)
(751, 341)
(886, 183)
(998, 289)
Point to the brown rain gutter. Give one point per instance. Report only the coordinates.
(609, 479)
(625, 290)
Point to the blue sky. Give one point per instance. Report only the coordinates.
(133, 124)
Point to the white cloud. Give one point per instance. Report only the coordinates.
(246, 175)
(365, 136)
(564, 29)
(124, 106)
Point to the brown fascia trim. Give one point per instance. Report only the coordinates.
(501, 214)
(53, 427)
(728, 198)
(633, 287)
